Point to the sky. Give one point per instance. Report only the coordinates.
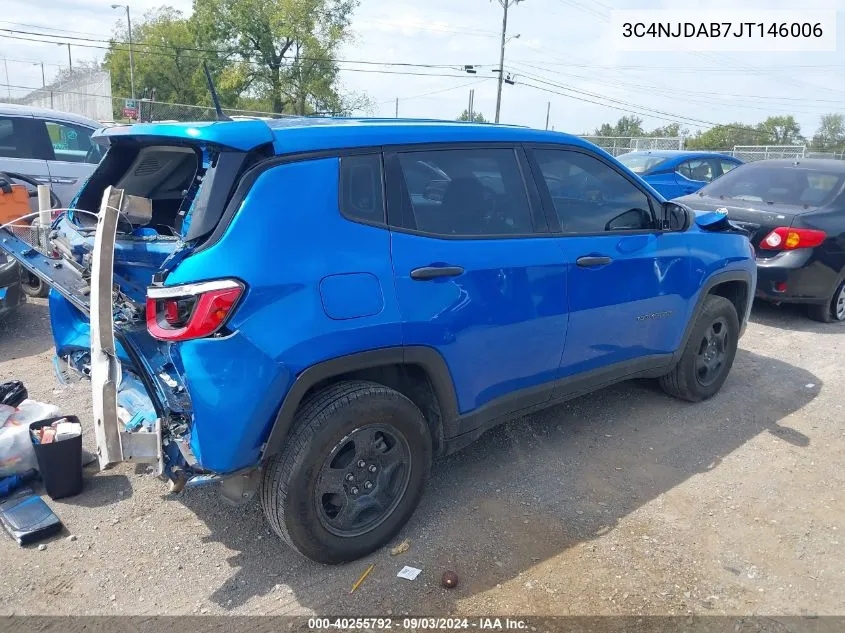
(561, 42)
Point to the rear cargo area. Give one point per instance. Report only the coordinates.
(127, 228)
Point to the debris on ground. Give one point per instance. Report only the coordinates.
(27, 518)
(403, 547)
(449, 579)
(361, 579)
(409, 573)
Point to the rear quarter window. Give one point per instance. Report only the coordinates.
(361, 188)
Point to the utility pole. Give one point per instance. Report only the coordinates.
(548, 111)
(43, 80)
(471, 100)
(505, 4)
(397, 107)
(8, 87)
(69, 60)
(131, 58)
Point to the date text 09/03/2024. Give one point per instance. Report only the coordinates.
(417, 623)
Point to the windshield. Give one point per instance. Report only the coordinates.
(641, 163)
(777, 185)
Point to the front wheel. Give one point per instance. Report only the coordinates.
(351, 473)
(708, 355)
(833, 310)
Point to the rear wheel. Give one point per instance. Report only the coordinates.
(833, 310)
(708, 355)
(351, 473)
(33, 286)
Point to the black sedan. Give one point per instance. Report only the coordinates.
(795, 213)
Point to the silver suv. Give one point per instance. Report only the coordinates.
(50, 147)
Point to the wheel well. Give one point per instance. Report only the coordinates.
(412, 381)
(734, 291)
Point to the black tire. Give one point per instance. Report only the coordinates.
(831, 311)
(33, 286)
(686, 380)
(292, 479)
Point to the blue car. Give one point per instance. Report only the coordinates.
(678, 173)
(312, 309)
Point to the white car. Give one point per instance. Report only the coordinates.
(50, 147)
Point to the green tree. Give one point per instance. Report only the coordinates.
(625, 126)
(166, 59)
(285, 50)
(780, 130)
(725, 137)
(477, 117)
(830, 137)
(671, 130)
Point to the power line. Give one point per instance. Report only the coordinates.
(115, 45)
(435, 92)
(641, 110)
(695, 97)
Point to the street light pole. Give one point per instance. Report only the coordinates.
(505, 4)
(43, 80)
(131, 58)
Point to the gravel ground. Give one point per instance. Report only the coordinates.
(622, 502)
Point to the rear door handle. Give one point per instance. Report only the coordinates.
(590, 261)
(433, 272)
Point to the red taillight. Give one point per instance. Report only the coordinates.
(180, 313)
(784, 238)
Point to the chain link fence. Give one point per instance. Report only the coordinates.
(617, 145)
(748, 153)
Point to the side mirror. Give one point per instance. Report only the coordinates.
(676, 217)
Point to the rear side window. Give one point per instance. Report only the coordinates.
(361, 190)
(470, 192)
(72, 143)
(699, 169)
(589, 196)
(728, 165)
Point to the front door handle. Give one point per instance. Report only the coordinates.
(433, 272)
(590, 261)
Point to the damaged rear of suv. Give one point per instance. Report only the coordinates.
(156, 198)
(311, 309)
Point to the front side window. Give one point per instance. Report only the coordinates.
(361, 191)
(589, 196)
(472, 192)
(15, 138)
(698, 169)
(72, 143)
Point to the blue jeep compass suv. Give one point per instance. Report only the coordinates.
(313, 309)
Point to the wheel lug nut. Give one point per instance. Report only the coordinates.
(368, 485)
(354, 490)
(361, 463)
(372, 468)
(350, 477)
